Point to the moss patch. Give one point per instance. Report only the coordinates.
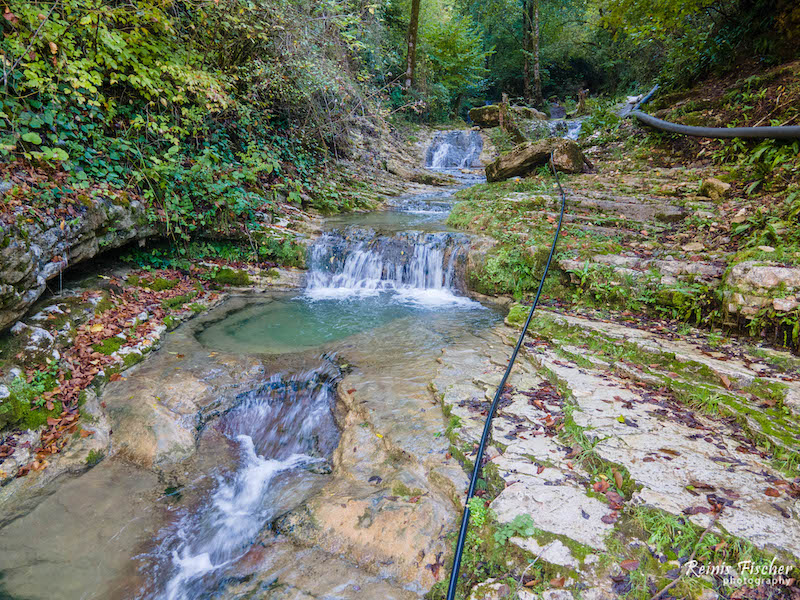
(226, 276)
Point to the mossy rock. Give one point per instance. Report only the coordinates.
(161, 284)
(517, 315)
(226, 276)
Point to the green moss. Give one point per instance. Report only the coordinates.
(197, 308)
(176, 301)
(401, 489)
(94, 457)
(102, 306)
(161, 284)
(517, 314)
(171, 322)
(131, 359)
(227, 276)
(109, 345)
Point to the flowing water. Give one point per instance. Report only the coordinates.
(384, 292)
(282, 426)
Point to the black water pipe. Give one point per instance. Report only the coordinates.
(773, 133)
(462, 534)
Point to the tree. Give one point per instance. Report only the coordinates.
(411, 55)
(531, 50)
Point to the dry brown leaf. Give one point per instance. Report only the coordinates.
(629, 565)
(617, 478)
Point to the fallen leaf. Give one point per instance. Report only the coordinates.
(694, 510)
(772, 492)
(557, 583)
(97, 328)
(617, 478)
(610, 518)
(600, 486)
(629, 565)
(725, 381)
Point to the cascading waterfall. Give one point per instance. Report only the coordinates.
(566, 128)
(454, 150)
(417, 267)
(285, 424)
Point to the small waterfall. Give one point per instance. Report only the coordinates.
(283, 425)
(565, 128)
(415, 266)
(454, 150)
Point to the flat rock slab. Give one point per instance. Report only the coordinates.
(679, 457)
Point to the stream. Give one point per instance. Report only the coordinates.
(384, 295)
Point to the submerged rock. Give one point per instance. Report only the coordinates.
(567, 157)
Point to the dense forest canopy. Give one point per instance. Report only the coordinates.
(204, 106)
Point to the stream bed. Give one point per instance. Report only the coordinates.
(384, 297)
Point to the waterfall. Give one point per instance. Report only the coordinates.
(415, 266)
(454, 150)
(283, 425)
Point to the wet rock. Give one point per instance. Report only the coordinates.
(714, 189)
(525, 157)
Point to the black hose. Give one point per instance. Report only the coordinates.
(462, 534)
(774, 133)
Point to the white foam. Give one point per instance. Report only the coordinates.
(232, 519)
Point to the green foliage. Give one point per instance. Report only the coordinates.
(213, 113)
(511, 270)
(24, 407)
(521, 525)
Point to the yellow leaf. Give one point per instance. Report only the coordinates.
(53, 47)
(97, 328)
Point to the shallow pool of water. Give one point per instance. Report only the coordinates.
(294, 324)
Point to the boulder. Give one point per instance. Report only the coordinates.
(485, 116)
(525, 112)
(489, 115)
(714, 189)
(567, 157)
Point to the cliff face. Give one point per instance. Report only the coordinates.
(34, 250)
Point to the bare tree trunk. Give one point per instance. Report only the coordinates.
(537, 77)
(411, 56)
(527, 46)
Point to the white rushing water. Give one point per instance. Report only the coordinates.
(280, 427)
(415, 267)
(454, 150)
